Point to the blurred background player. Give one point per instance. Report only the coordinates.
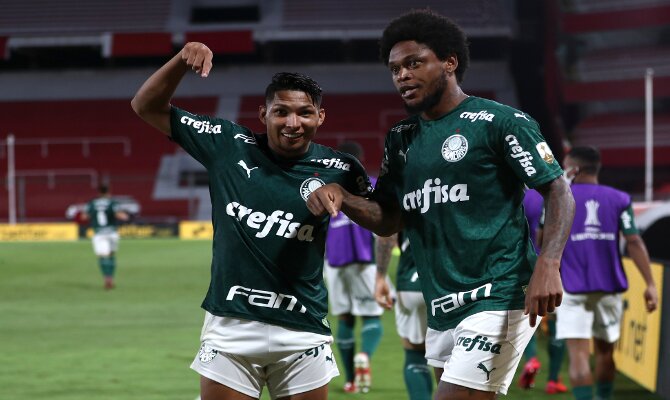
(533, 204)
(103, 215)
(410, 313)
(593, 275)
(350, 277)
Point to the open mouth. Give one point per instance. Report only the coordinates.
(407, 92)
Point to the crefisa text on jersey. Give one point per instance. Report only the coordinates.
(523, 157)
(200, 126)
(333, 163)
(264, 223)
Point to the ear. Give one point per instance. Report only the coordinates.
(262, 110)
(450, 64)
(322, 116)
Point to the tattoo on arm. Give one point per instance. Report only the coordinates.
(559, 212)
(383, 251)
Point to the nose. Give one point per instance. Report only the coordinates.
(292, 120)
(403, 74)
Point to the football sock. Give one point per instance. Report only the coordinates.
(371, 333)
(106, 266)
(345, 344)
(531, 349)
(583, 392)
(418, 380)
(112, 263)
(556, 350)
(604, 390)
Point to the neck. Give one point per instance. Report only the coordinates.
(585, 178)
(450, 100)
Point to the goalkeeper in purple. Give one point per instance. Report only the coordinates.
(453, 177)
(266, 308)
(593, 276)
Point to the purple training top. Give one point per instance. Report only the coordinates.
(532, 207)
(347, 242)
(591, 260)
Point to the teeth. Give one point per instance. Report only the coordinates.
(291, 135)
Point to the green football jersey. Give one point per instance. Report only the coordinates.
(102, 214)
(459, 181)
(267, 256)
(407, 278)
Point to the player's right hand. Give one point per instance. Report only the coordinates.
(197, 56)
(326, 199)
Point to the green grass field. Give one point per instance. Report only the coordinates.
(63, 337)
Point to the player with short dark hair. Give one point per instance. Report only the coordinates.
(104, 215)
(453, 177)
(593, 274)
(266, 321)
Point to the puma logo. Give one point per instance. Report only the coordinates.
(521, 116)
(483, 368)
(330, 358)
(403, 154)
(242, 164)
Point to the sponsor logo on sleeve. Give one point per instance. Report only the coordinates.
(520, 155)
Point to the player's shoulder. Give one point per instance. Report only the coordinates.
(495, 112)
(613, 192)
(407, 125)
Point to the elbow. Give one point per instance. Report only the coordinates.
(136, 104)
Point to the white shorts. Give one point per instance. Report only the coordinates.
(483, 351)
(105, 244)
(351, 290)
(583, 316)
(410, 316)
(247, 355)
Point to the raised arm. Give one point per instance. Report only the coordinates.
(381, 218)
(545, 291)
(152, 100)
(638, 252)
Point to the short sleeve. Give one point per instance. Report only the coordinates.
(627, 221)
(527, 152)
(199, 135)
(387, 183)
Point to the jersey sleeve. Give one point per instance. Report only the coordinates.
(199, 135)
(386, 186)
(526, 151)
(359, 181)
(627, 221)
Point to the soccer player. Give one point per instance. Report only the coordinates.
(533, 205)
(104, 214)
(593, 276)
(350, 277)
(266, 308)
(453, 175)
(410, 313)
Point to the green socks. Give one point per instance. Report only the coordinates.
(583, 392)
(556, 350)
(531, 349)
(371, 334)
(345, 343)
(604, 390)
(418, 380)
(107, 265)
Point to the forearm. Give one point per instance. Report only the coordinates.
(153, 98)
(638, 252)
(383, 252)
(383, 220)
(559, 212)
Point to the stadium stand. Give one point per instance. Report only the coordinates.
(73, 68)
(603, 51)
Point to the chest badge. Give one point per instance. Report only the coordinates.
(454, 148)
(309, 185)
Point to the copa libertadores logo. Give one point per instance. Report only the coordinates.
(454, 148)
(309, 185)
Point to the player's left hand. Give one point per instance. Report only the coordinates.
(545, 289)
